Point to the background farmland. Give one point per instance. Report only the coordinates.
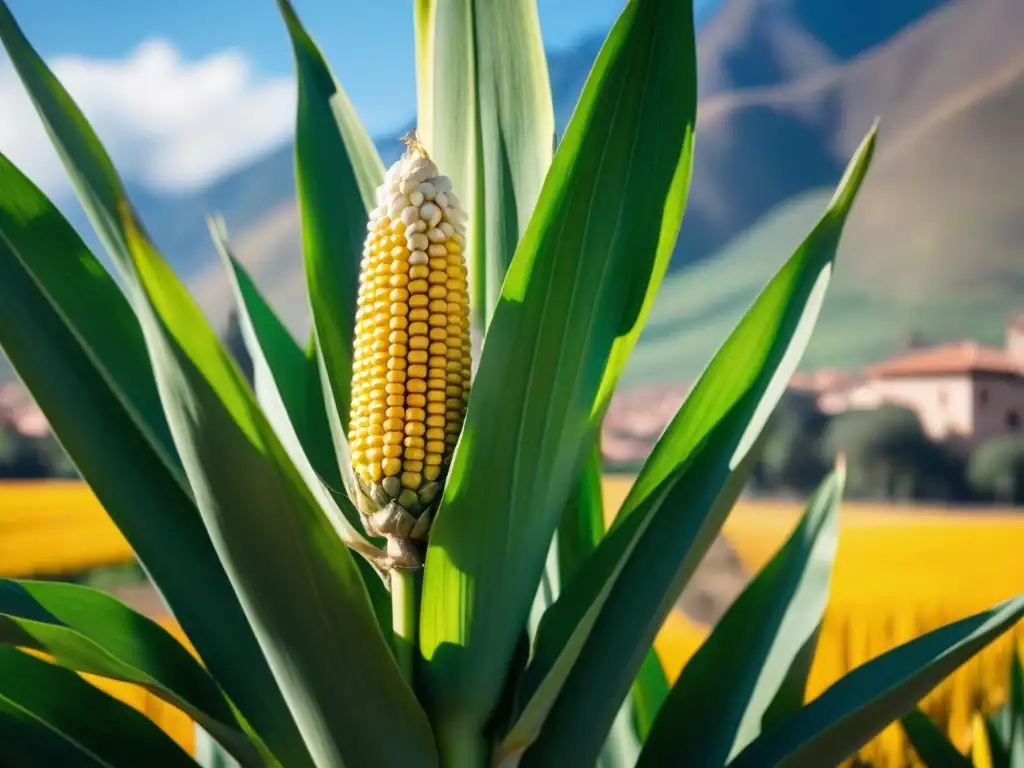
(899, 572)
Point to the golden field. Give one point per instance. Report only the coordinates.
(898, 573)
(55, 527)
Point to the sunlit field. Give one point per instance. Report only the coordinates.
(898, 574)
(53, 528)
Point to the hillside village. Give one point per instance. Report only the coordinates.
(963, 393)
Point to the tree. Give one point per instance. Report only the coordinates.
(21, 457)
(995, 470)
(889, 456)
(793, 458)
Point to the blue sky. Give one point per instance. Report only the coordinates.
(368, 43)
(184, 92)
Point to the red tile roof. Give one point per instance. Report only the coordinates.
(822, 380)
(956, 358)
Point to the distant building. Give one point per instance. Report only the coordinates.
(635, 420)
(962, 391)
(19, 413)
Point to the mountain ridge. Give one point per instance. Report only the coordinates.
(788, 87)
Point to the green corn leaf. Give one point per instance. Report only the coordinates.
(579, 530)
(569, 625)
(51, 716)
(717, 704)
(297, 580)
(72, 338)
(96, 181)
(574, 532)
(853, 710)
(89, 631)
(996, 745)
(611, 203)
(582, 523)
(1002, 725)
(423, 24)
(208, 753)
(793, 689)
(621, 746)
(489, 124)
(1014, 712)
(579, 533)
(322, 423)
(650, 689)
(337, 171)
(283, 390)
(41, 245)
(931, 744)
(595, 636)
(281, 379)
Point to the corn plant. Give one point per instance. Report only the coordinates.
(997, 739)
(381, 552)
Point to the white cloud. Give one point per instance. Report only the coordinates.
(170, 124)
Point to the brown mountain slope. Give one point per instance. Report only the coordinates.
(758, 147)
(270, 251)
(942, 203)
(757, 43)
(943, 211)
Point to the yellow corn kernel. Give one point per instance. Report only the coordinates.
(411, 352)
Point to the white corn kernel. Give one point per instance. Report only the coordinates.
(431, 214)
(410, 216)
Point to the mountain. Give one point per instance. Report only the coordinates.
(766, 133)
(177, 222)
(788, 88)
(760, 43)
(933, 245)
(750, 53)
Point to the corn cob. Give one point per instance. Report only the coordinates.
(411, 362)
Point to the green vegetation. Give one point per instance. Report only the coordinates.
(996, 470)
(794, 458)
(346, 614)
(29, 458)
(998, 738)
(888, 455)
(891, 457)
